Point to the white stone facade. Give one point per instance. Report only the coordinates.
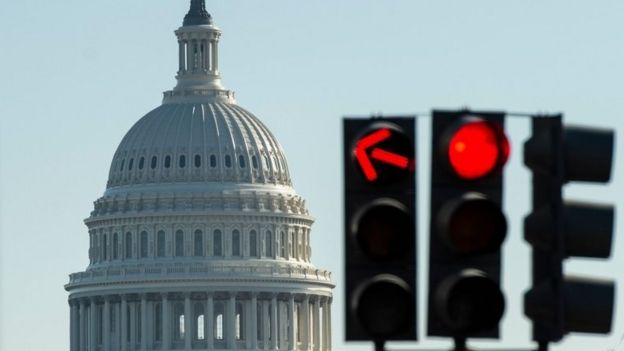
(199, 241)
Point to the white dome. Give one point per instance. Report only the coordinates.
(200, 240)
(198, 142)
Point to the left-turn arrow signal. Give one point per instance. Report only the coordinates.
(368, 142)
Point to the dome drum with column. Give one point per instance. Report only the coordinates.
(200, 241)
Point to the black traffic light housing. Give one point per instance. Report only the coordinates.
(380, 229)
(559, 229)
(467, 224)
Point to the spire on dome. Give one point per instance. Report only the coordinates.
(197, 14)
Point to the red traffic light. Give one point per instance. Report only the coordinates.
(384, 154)
(477, 148)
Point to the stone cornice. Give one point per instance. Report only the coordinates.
(285, 273)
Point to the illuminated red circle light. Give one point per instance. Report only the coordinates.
(477, 148)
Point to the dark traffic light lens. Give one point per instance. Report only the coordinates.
(385, 306)
(476, 149)
(470, 302)
(472, 225)
(385, 231)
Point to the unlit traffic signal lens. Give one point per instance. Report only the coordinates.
(476, 149)
(385, 231)
(385, 306)
(472, 224)
(469, 302)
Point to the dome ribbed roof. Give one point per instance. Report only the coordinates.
(198, 142)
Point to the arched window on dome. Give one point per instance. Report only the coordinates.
(123, 162)
(240, 322)
(104, 247)
(198, 242)
(254, 161)
(213, 161)
(115, 246)
(130, 164)
(198, 331)
(168, 161)
(179, 243)
(158, 322)
(178, 322)
(241, 161)
(144, 244)
(228, 161)
(160, 244)
(253, 243)
(182, 162)
(141, 162)
(218, 321)
(128, 245)
(236, 247)
(268, 244)
(154, 162)
(197, 161)
(217, 243)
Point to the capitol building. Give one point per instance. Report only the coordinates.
(199, 241)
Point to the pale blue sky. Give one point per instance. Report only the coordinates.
(77, 74)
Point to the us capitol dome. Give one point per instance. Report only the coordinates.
(200, 241)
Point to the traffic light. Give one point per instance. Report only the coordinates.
(467, 224)
(559, 229)
(380, 230)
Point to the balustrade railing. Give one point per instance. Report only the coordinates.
(196, 270)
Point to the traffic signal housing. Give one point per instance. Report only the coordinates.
(558, 229)
(467, 224)
(380, 228)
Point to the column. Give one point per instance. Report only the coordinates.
(189, 68)
(254, 321)
(292, 316)
(324, 326)
(166, 333)
(329, 332)
(151, 305)
(266, 324)
(144, 322)
(73, 326)
(133, 325)
(274, 322)
(92, 325)
(188, 330)
(316, 321)
(181, 56)
(306, 322)
(106, 326)
(81, 326)
(206, 56)
(209, 320)
(124, 323)
(118, 324)
(230, 332)
(215, 57)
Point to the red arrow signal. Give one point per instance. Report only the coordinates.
(378, 154)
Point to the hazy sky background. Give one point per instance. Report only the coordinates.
(76, 75)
